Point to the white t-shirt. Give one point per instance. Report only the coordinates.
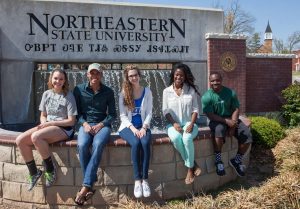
(57, 106)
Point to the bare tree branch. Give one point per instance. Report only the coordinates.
(279, 46)
(293, 43)
(293, 40)
(237, 21)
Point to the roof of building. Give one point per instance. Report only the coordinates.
(268, 29)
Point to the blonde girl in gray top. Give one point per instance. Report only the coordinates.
(58, 113)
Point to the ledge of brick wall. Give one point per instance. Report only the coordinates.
(8, 137)
(115, 173)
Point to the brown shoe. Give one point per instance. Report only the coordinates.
(189, 179)
(81, 198)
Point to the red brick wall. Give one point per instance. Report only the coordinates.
(257, 81)
(237, 78)
(266, 78)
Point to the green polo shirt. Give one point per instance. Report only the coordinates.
(221, 103)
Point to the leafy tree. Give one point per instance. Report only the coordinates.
(253, 43)
(291, 107)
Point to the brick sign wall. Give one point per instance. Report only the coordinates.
(224, 49)
(258, 79)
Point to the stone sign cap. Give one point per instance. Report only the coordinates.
(95, 66)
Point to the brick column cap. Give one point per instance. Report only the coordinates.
(270, 55)
(225, 36)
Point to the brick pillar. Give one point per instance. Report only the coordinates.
(222, 47)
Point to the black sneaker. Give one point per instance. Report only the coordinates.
(34, 179)
(220, 168)
(238, 167)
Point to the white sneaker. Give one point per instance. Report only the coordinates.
(138, 191)
(146, 189)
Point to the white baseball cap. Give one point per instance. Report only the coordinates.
(95, 66)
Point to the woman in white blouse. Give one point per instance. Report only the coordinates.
(180, 107)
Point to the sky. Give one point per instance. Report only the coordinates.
(282, 14)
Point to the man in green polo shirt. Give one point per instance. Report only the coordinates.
(221, 106)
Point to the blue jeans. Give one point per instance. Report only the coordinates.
(183, 143)
(90, 159)
(140, 152)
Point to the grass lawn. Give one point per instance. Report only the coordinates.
(296, 73)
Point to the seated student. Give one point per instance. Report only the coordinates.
(58, 116)
(96, 111)
(135, 104)
(180, 107)
(221, 106)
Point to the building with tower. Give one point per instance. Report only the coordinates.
(268, 40)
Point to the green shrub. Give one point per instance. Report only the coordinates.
(291, 108)
(266, 132)
(278, 116)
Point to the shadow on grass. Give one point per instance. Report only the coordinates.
(260, 169)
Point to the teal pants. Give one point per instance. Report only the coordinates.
(183, 143)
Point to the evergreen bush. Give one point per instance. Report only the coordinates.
(291, 108)
(266, 132)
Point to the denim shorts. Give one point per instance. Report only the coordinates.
(69, 131)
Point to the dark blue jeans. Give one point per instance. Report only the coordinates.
(90, 158)
(140, 152)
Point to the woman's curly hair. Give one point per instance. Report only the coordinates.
(65, 87)
(127, 89)
(189, 78)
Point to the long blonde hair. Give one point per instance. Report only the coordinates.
(127, 89)
(65, 87)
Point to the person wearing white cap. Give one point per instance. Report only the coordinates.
(96, 111)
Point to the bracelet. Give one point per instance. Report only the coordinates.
(144, 128)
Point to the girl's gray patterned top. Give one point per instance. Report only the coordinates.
(57, 106)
